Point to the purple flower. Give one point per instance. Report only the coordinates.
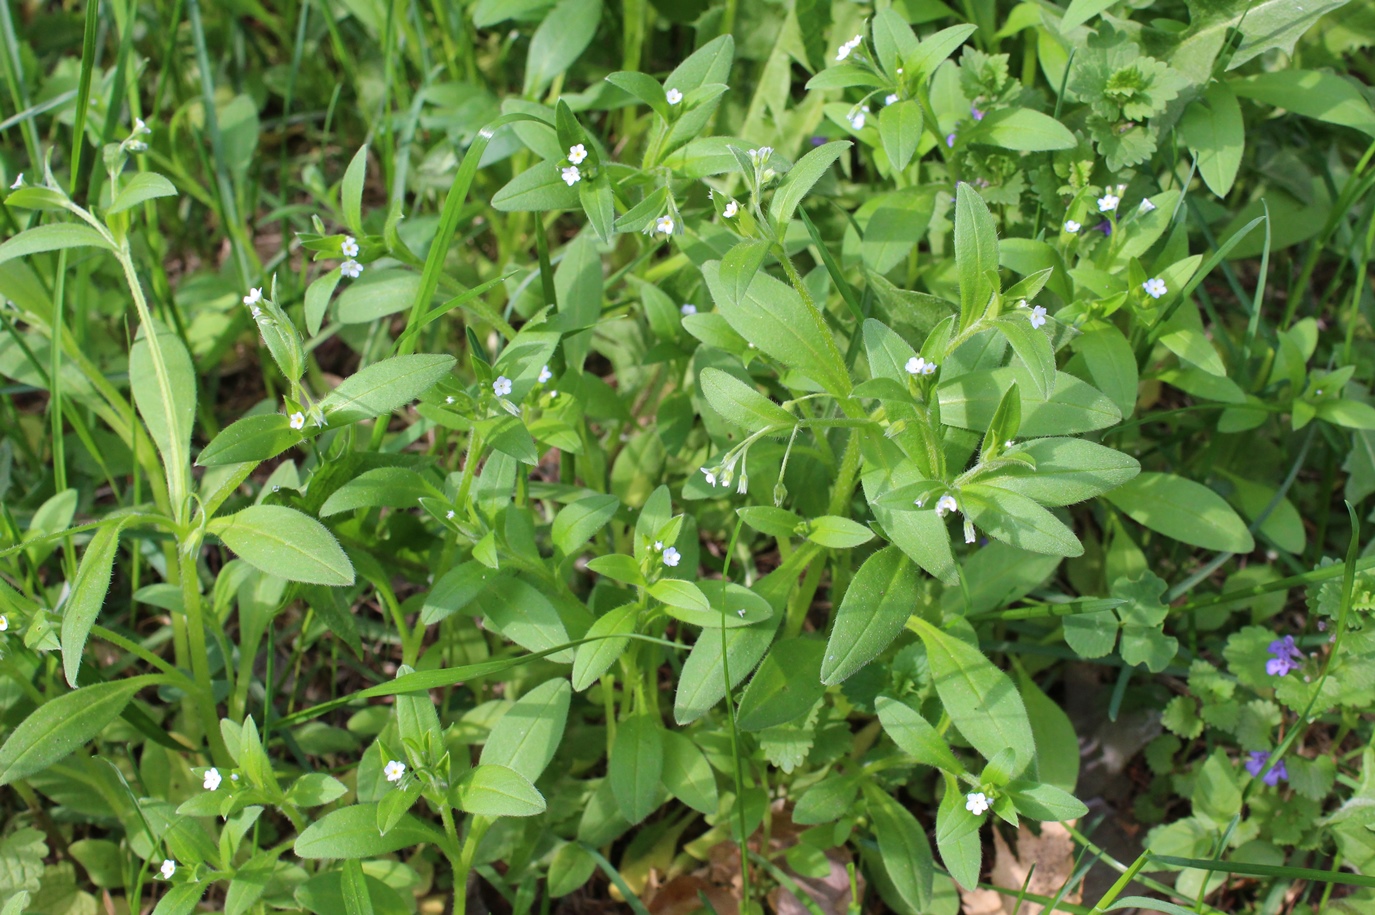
(1105, 227)
(974, 110)
(950, 140)
(1285, 656)
(1257, 762)
(818, 141)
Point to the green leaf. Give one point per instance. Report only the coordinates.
(739, 266)
(351, 190)
(284, 542)
(1067, 470)
(725, 604)
(785, 687)
(774, 318)
(540, 187)
(182, 899)
(837, 533)
(1014, 519)
(1311, 93)
(392, 487)
(1053, 732)
(702, 683)
(357, 899)
(976, 252)
(799, 180)
(687, 775)
(893, 40)
(383, 386)
(903, 845)
(644, 87)
(351, 832)
(1032, 346)
(250, 440)
(594, 658)
(52, 237)
(526, 617)
(454, 590)
(980, 698)
(679, 594)
(957, 837)
(883, 595)
(1216, 134)
(1046, 802)
(899, 127)
(599, 203)
(740, 403)
(315, 789)
(914, 735)
(934, 49)
(527, 736)
(1111, 364)
(559, 41)
(140, 187)
(168, 406)
(1183, 510)
(318, 295)
(1081, 11)
(497, 791)
(1022, 129)
(59, 726)
(1074, 407)
(637, 762)
(577, 522)
(377, 294)
(88, 595)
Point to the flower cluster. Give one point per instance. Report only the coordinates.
(1285, 656)
(919, 366)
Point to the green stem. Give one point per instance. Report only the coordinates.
(200, 659)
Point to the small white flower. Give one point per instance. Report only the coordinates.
(254, 296)
(919, 502)
(502, 386)
(233, 776)
(1021, 303)
(744, 485)
(664, 224)
(919, 366)
(1155, 287)
(891, 99)
(298, 421)
(449, 399)
(571, 175)
(553, 394)
(857, 118)
(18, 182)
(255, 311)
(135, 145)
(212, 779)
(1108, 202)
(140, 127)
(1071, 226)
(1038, 316)
(711, 481)
(169, 867)
(545, 375)
(741, 612)
(976, 803)
(350, 246)
(658, 546)
(4, 623)
(688, 309)
(969, 532)
(672, 557)
(944, 504)
(394, 770)
(673, 96)
(849, 46)
(449, 515)
(576, 154)
(1146, 205)
(731, 209)
(351, 269)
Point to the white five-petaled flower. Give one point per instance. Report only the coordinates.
(673, 96)
(1071, 226)
(672, 557)
(1038, 316)
(212, 779)
(571, 175)
(688, 309)
(5, 621)
(298, 420)
(254, 296)
(1155, 287)
(169, 867)
(1146, 205)
(351, 269)
(545, 375)
(350, 246)
(664, 224)
(891, 99)
(1108, 202)
(502, 386)
(18, 182)
(946, 503)
(395, 770)
(919, 366)
(731, 209)
(577, 153)
(976, 803)
(711, 481)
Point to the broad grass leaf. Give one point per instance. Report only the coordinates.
(285, 542)
(88, 596)
(883, 595)
(981, 699)
(383, 386)
(497, 791)
(59, 726)
(351, 832)
(785, 687)
(1183, 510)
(637, 762)
(527, 736)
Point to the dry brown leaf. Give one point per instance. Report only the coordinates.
(1051, 854)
